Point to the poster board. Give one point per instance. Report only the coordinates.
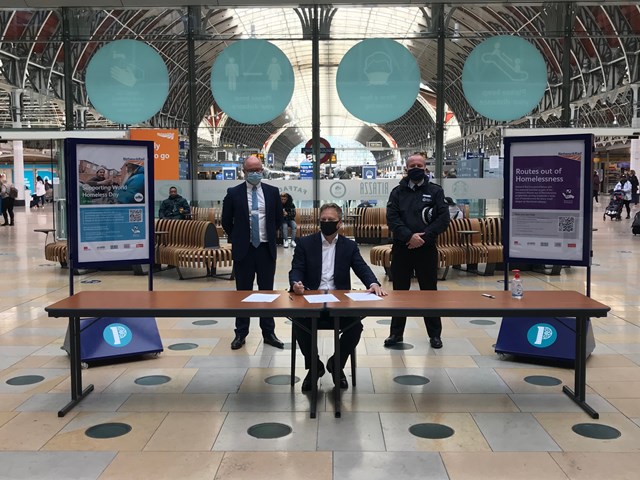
(110, 199)
(547, 199)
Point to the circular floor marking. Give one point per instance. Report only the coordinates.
(384, 322)
(411, 380)
(542, 380)
(269, 430)
(400, 346)
(596, 430)
(183, 346)
(204, 322)
(152, 380)
(434, 431)
(108, 430)
(482, 322)
(281, 380)
(25, 380)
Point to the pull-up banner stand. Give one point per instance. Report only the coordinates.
(110, 223)
(548, 220)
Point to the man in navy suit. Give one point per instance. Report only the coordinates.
(324, 261)
(251, 215)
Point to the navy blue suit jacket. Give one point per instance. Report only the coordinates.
(236, 223)
(306, 266)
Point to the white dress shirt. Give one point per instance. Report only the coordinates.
(262, 217)
(328, 263)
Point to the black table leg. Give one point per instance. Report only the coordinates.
(336, 371)
(580, 382)
(77, 394)
(314, 367)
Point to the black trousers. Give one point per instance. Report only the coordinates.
(351, 328)
(7, 208)
(423, 262)
(258, 263)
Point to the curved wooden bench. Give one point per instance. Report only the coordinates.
(56, 252)
(192, 244)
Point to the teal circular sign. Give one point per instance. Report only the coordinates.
(504, 78)
(117, 335)
(378, 80)
(127, 81)
(542, 335)
(252, 81)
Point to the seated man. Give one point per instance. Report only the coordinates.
(175, 206)
(323, 261)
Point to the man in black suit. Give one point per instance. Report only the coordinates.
(324, 261)
(251, 215)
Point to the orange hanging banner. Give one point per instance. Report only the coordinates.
(165, 150)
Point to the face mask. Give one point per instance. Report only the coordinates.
(416, 174)
(328, 228)
(254, 178)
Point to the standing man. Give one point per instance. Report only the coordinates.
(251, 215)
(634, 186)
(175, 206)
(324, 261)
(416, 215)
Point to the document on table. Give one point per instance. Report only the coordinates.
(261, 297)
(327, 297)
(363, 296)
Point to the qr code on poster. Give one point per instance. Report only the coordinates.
(135, 215)
(566, 224)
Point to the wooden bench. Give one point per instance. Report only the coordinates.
(56, 252)
(211, 214)
(456, 249)
(192, 244)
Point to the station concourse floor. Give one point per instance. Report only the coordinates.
(195, 425)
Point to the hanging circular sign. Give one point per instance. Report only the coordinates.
(378, 80)
(252, 81)
(127, 81)
(504, 78)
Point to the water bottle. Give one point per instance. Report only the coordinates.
(517, 290)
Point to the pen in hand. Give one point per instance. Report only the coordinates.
(487, 295)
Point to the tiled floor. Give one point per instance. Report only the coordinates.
(195, 426)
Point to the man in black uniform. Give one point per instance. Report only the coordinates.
(416, 215)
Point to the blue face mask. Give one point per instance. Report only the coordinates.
(416, 174)
(254, 178)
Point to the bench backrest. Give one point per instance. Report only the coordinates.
(188, 233)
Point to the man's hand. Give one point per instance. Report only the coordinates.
(415, 241)
(298, 288)
(377, 289)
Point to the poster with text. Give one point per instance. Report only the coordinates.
(111, 189)
(546, 199)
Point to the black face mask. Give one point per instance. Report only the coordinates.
(328, 228)
(416, 174)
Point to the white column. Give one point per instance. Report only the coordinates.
(635, 123)
(18, 152)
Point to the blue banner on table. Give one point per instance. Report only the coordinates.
(113, 337)
(552, 338)
(547, 199)
(110, 201)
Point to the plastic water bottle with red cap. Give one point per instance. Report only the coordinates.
(517, 291)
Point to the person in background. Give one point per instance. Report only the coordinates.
(324, 260)
(40, 192)
(289, 220)
(8, 195)
(624, 185)
(454, 210)
(634, 186)
(595, 181)
(416, 215)
(251, 216)
(175, 206)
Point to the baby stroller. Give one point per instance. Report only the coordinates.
(614, 209)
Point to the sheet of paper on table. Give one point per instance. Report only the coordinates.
(363, 296)
(327, 297)
(261, 297)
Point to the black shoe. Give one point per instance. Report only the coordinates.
(4, 225)
(306, 383)
(343, 378)
(435, 342)
(392, 340)
(238, 342)
(271, 339)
